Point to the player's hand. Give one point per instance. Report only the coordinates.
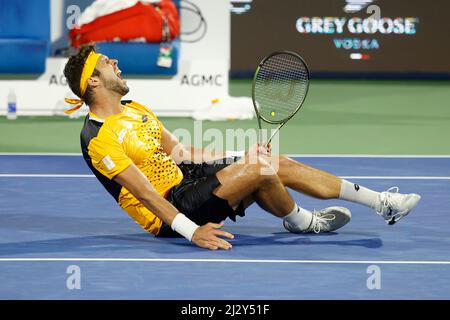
(208, 236)
(260, 149)
(268, 148)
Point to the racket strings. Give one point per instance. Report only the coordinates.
(280, 86)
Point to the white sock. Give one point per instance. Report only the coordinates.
(299, 218)
(355, 193)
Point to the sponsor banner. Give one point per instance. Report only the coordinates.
(344, 36)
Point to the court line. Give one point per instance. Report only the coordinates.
(400, 262)
(396, 177)
(38, 175)
(289, 154)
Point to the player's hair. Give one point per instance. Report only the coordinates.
(73, 70)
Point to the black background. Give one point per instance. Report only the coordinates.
(270, 25)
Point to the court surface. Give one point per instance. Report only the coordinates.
(55, 214)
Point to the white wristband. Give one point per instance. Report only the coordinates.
(184, 226)
(234, 154)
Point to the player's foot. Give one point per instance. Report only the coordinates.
(325, 220)
(393, 206)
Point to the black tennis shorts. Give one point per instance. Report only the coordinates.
(194, 196)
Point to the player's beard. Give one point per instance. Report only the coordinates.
(118, 87)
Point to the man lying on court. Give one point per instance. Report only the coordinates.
(151, 176)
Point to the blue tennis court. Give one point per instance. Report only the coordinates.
(55, 215)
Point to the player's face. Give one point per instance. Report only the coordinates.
(110, 75)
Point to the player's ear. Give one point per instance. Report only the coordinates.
(94, 81)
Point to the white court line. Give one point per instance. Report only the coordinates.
(396, 177)
(290, 155)
(418, 262)
(19, 175)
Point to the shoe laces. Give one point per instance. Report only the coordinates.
(320, 219)
(387, 201)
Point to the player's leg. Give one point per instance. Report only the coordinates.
(241, 180)
(305, 179)
(244, 180)
(392, 206)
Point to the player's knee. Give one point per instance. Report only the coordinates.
(283, 161)
(283, 165)
(260, 172)
(266, 174)
(265, 167)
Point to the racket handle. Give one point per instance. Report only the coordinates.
(271, 137)
(260, 129)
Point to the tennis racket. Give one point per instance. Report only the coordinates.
(279, 88)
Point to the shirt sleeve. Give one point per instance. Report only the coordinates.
(107, 154)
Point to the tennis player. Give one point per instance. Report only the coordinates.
(154, 178)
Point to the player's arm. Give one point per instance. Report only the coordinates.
(180, 152)
(206, 236)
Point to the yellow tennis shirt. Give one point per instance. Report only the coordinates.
(110, 145)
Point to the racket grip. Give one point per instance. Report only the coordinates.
(271, 137)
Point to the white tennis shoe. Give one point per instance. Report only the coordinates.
(325, 220)
(394, 206)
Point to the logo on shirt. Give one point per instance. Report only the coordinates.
(144, 118)
(107, 161)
